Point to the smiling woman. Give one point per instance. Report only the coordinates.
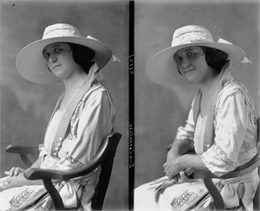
(192, 61)
(220, 128)
(83, 116)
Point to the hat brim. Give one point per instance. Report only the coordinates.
(32, 65)
(162, 69)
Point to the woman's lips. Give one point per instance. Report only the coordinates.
(187, 71)
(56, 66)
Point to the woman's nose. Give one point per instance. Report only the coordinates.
(185, 63)
(52, 58)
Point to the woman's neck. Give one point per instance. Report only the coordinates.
(75, 81)
(215, 80)
(71, 88)
(209, 82)
(208, 87)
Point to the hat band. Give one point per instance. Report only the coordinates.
(61, 33)
(191, 37)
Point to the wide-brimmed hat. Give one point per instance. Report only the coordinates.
(162, 68)
(32, 65)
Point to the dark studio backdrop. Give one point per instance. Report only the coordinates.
(160, 110)
(26, 106)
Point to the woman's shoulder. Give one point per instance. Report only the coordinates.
(96, 89)
(233, 84)
(97, 92)
(234, 87)
(236, 90)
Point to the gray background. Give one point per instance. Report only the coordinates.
(160, 110)
(26, 107)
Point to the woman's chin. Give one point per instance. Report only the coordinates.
(192, 79)
(59, 75)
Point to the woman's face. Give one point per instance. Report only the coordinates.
(59, 59)
(192, 64)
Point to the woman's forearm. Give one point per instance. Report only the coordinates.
(194, 161)
(37, 163)
(179, 147)
(23, 181)
(20, 180)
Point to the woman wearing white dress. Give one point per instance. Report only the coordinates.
(220, 126)
(84, 115)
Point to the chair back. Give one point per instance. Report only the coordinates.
(257, 195)
(258, 129)
(106, 169)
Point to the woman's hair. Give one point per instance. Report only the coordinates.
(215, 58)
(82, 55)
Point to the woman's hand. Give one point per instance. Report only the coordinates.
(14, 178)
(172, 167)
(14, 171)
(13, 181)
(171, 155)
(4, 184)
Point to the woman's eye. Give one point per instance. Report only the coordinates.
(177, 58)
(190, 54)
(57, 50)
(46, 55)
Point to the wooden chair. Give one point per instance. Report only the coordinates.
(257, 195)
(207, 176)
(104, 157)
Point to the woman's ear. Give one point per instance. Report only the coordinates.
(69, 49)
(203, 51)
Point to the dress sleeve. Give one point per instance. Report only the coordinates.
(232, 118)
(186, 133)
(92, 125)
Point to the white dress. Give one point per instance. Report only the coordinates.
(91, 121)
(233, 144)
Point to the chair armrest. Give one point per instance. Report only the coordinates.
(17, 149)
(38, 173)
(207, 176)
(107, 149)
(239, 171)
(23, 151)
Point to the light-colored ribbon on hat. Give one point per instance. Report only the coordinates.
(245, 59)
(113, 58)
(100, 75)
(93, 74)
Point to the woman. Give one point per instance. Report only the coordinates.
(220, 126)
(83, 116)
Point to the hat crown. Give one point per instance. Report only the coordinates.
(60, 30)
(191, 34)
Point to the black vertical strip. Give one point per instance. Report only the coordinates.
(131, 151)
